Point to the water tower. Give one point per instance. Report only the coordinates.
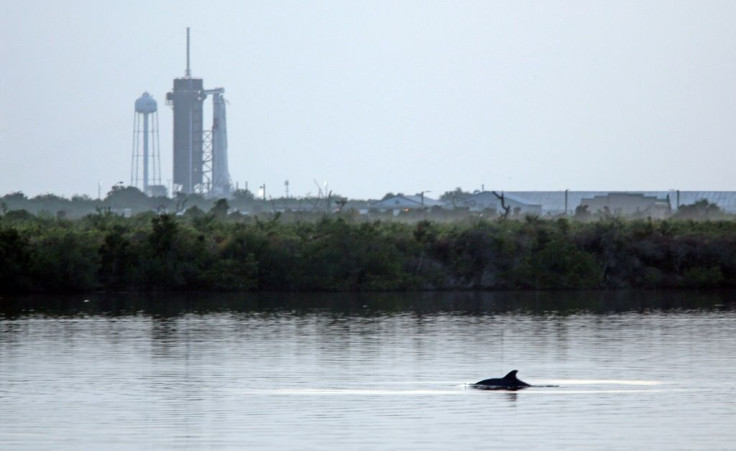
(145, 172)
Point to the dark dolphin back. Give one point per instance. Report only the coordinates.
(493, 382)
(508, 381)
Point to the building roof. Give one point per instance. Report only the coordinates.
(402, 201)
(520, 200)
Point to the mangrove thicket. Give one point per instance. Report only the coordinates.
(342, 252)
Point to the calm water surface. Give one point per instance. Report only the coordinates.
(388, 371)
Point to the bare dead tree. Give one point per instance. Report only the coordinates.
(340, 202)
(506, 208)
(273, 204)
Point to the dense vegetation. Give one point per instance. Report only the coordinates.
(217, 251)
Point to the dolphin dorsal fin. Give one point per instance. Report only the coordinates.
(511, 375)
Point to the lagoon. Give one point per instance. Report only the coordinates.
(368, 371)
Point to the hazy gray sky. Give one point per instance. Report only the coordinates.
(377, 96)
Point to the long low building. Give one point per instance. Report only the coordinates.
(403, 202)
(557, 202)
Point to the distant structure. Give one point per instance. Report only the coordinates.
(648, 203)
(400, 202)
(200, 156)
(221, 184)
(628, 204)
(487, 200)
(145, 171)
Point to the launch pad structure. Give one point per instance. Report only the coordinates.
(200, 156)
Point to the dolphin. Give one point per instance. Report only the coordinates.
(508, 382)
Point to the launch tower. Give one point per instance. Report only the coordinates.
(199, 155)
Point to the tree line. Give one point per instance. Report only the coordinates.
(341, 252)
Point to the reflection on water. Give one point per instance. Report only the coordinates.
(380, 371)
(367, 304)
